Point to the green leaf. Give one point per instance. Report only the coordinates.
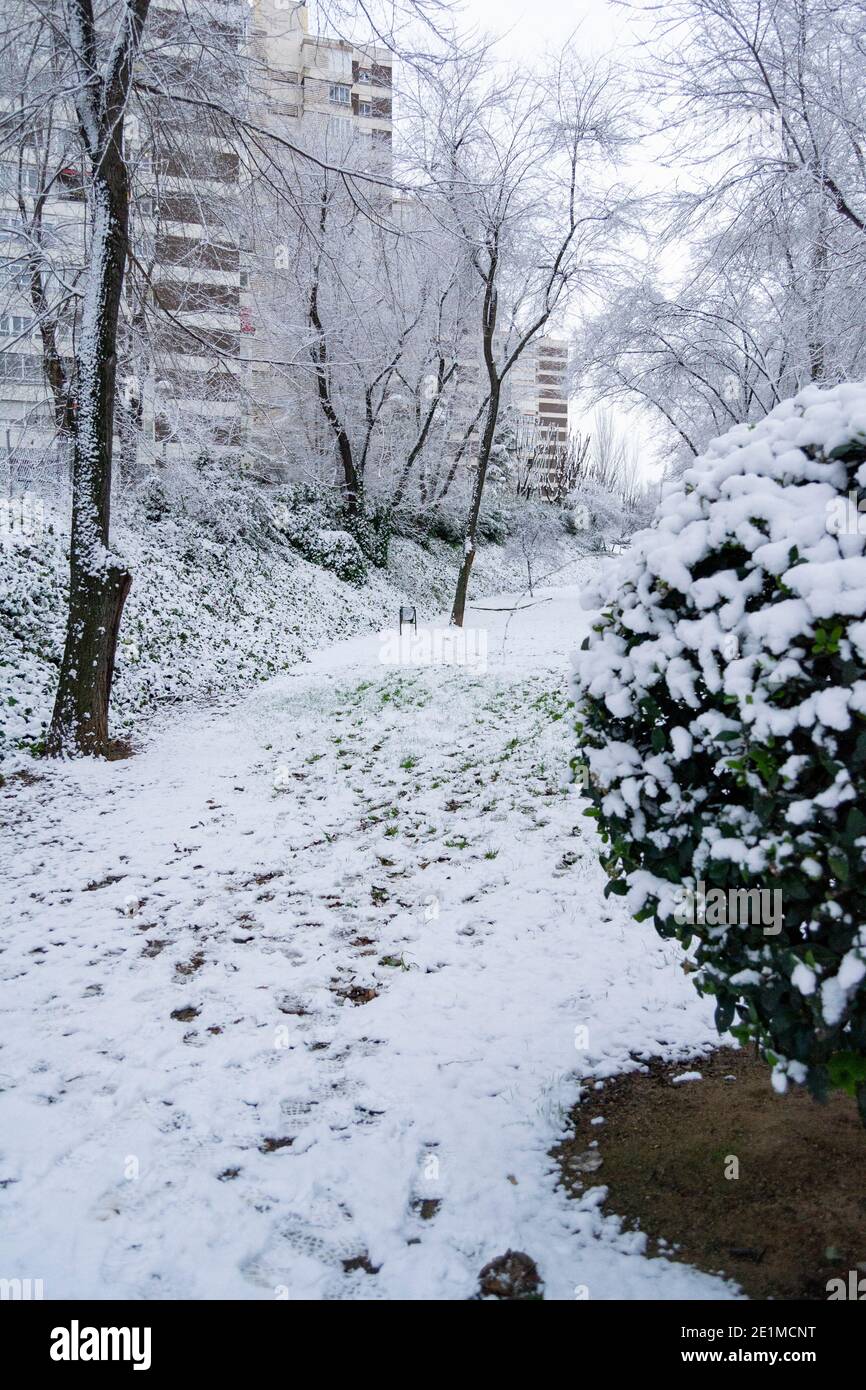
(838, 862)
(847, 1070)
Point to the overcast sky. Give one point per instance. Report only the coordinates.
(536, 24)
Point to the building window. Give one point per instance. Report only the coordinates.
(28, 177)
(20, 366)
(340, 128)
(365, 75)
(13, 325)
(340, 93)
(365, 108)
(340, 62)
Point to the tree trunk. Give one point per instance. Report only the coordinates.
(98, 581)
(352, 479)
(459, 609)
(80, 722)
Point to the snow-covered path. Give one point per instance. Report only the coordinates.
(316, 1039)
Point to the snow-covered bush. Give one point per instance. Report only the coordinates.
(33, 578)
(340, 552)
(445, 519)
(301, 516)
(722, 714)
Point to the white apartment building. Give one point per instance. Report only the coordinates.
(538, 389)
(198, 390)
(27, 418)
(188, 189)
(338, 97)
(307, 74)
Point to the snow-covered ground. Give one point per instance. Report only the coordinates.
(305, 989)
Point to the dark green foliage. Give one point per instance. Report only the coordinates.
(737, 759)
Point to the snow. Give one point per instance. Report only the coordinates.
(803, 978)
(836, 991)
(397, 957)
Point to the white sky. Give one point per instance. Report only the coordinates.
(531, 26)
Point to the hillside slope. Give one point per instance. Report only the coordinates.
(221, 600)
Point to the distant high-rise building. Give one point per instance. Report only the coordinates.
(538, 389)
(308, 74)
(534, 397)
(335, 98)
(187, 182)
(189, 382)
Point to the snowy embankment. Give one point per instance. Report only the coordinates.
(296, 1000)
(215, 609)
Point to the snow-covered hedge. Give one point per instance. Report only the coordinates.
(301, 517)
(722, 716)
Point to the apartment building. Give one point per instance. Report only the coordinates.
(539, 390)
(337, 99)
(185, 359)
(34, 245)
(196, 376)
(307, 74)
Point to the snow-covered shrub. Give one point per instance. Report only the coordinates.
(601, 518)
(340, 552)
(493, 520)
(722, 714)
(371, 531)
(300, 515)
(153, 498)
(441, 520)
(32, 594)
(447, 521)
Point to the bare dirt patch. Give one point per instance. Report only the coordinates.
(119, 749)
(793, 1219)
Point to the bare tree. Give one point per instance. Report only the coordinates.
(364, 313)
(514, 166)
(762, 109)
